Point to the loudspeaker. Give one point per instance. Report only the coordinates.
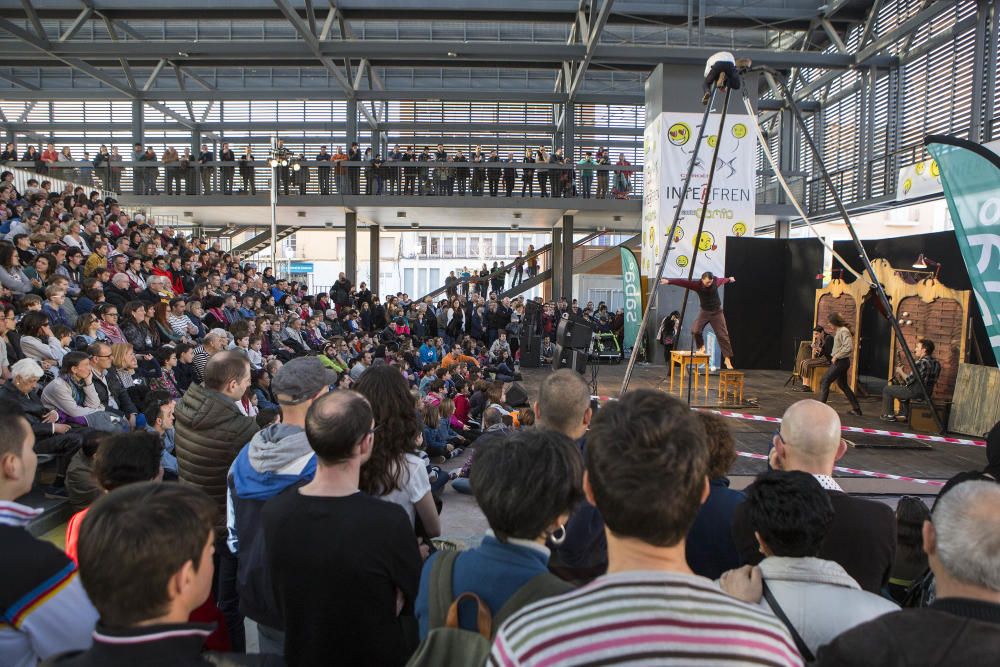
(531, 351)
(532, 311)
(573, 333)
(517, 397)
(569, 358)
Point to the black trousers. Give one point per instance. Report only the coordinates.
(226, 597)
(63, 446)
(838, 372)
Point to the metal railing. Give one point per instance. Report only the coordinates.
(346, 178)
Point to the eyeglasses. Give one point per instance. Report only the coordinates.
(100, 356)
(111, 314)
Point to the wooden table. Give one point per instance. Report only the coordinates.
(730, 382)
(685, 359)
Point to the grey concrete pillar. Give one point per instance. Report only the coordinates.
(567, 257)
(373, 262)
(556, 263)
(351, 245)
(138, 124)
(352, 123)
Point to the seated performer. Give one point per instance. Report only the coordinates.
(822, 347)
(707, 290)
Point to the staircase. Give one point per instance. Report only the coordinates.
(263, 240)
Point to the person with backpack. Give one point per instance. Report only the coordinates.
(526, 485)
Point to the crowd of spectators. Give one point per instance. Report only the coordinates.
(242, 454)
(399, 171)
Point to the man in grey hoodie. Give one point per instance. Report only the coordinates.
(275, 459)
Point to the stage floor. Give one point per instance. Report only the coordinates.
(932, 462)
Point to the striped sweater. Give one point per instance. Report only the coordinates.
(644, 618)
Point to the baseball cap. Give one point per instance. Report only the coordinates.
(300, 379)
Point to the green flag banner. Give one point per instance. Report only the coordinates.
(633, 298)
(970, 176)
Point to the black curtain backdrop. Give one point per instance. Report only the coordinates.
(770, 306)
(902, 252)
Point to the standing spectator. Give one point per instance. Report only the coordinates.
(323, 170)
(623, 178)
(791, 513)
(354, 171)
(205, 160)
(526, 485)
(227, 171)
(45, 609)
(344, 566)
(528, 174)
(302, 174)
(146, 562)
(276, 458)
(543, 172)
(340, 171)
(210, 431)
(962, 625)
(862, 537)
(151, 172)
(509, 175)
(171, 170)
(138, 172)
(461, 172)
(586, 173)
(247, 172)
(710, 547)
(518, 270)
(493, 173)
(646, 469)
(603, 175)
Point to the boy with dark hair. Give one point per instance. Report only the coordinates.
(146, 561)
(344, 566)
(44, 610)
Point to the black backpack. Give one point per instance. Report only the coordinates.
(448, 644)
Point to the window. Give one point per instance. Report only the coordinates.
(341, 247)
(387, 248)
(474, 246)
(435, 245)
(460, 246)
(448, 246)
(487, 247)
(422, 242)
(515, 245)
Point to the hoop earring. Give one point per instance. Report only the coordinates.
(561, 532)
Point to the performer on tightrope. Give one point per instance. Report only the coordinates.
(707, 290)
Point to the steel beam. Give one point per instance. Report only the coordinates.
(34, 20)
(77, 24)
(907, 27)
(310, 48)
(596, 28)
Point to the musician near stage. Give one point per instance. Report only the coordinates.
(707, 290)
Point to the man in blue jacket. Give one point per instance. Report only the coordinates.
(428, 353)
(277, 458)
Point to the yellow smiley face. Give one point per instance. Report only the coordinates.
(706, 242)
(739, 130)
(739, 229)
(935, 170)
(682, 261)
(678, 234)
(907, 184)
(652, 235)
(919, 168)
(679, 134)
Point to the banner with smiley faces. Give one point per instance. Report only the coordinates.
(668, 144)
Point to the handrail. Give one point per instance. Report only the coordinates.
(475, 279)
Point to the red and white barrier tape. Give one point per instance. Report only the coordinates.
(924, 437)
(864, 473)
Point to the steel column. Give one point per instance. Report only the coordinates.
(351, 245)
(374, 246)
(566, 264)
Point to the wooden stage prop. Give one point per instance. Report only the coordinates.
(924, 309)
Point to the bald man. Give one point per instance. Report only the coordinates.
(862, 537)
(962, 625)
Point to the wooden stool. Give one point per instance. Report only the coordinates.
(684, 360)
(731, 381)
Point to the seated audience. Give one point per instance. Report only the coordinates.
(647, 473)
(862, 537)
(962, 625)
(790, 514)
(44, 609)
(344, 566)
(911, 561)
